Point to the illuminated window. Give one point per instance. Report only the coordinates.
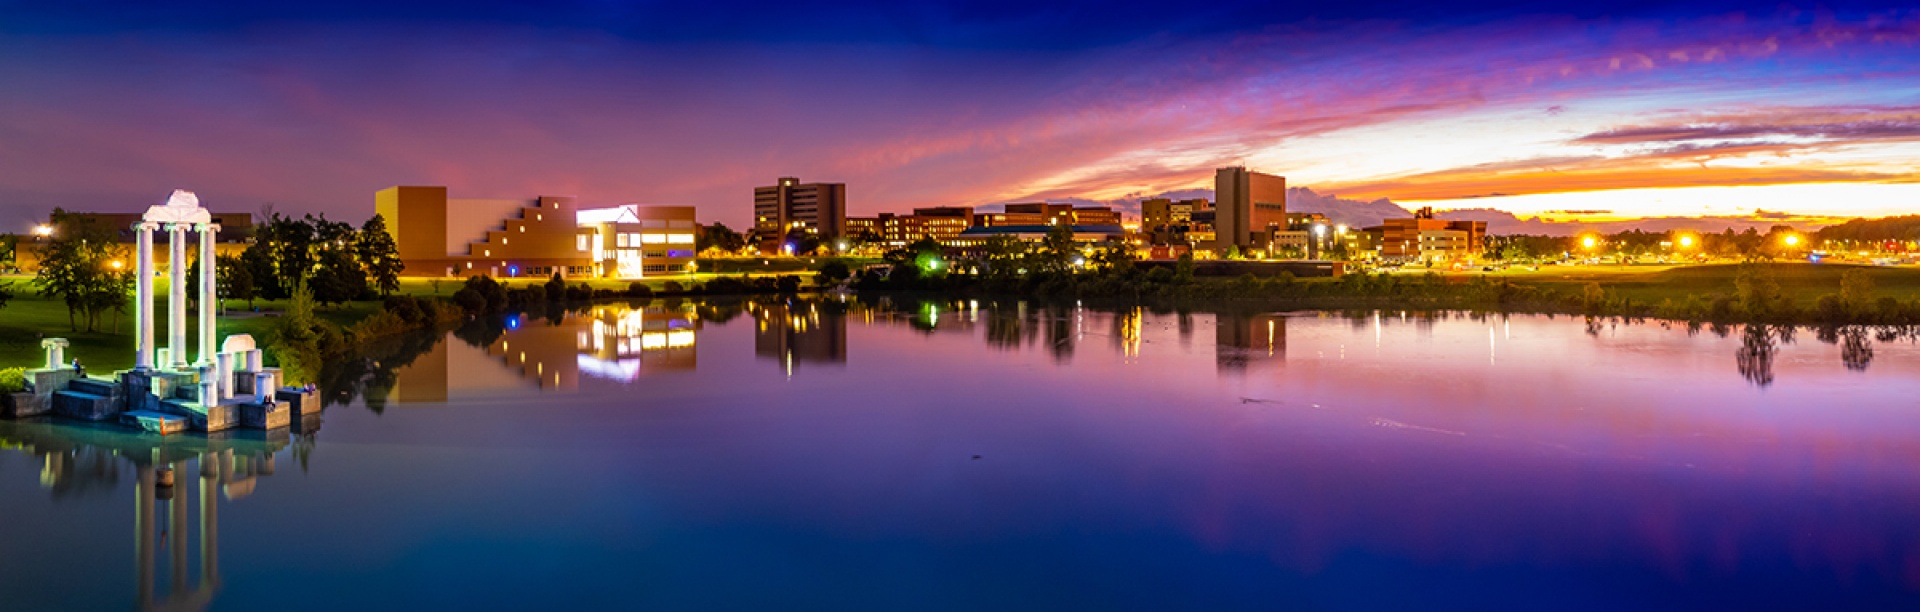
(503, 240)
(653, 238)
(679, 238)
(620, 240)
(486, 253)
(523, 228)
(580, 242)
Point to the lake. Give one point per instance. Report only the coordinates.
(892, 455)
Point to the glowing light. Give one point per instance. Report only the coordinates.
(43, 230)
(1792, 240)
(117, 264)
(1589, 242)
(1686, 241)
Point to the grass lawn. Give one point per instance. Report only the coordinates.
(1802, 282)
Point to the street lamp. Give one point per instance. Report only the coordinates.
(43, 230)
(1686, 242)
(1792, 240)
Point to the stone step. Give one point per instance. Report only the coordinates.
(85, 406)
(204, 418)
(163, 424)
(95, 386)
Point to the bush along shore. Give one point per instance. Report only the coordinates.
(1754, 294)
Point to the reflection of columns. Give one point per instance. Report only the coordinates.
(209, 518)
(209, 298)
(177, 534)
(143, 536)
(143, 298)
(177, 295)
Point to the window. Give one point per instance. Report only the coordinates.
(580, 242)
(679, 238)
(523, 229)
(620, 240)
(486, 253)
(654, 254)
(503, 240)
(633, 239)
(653, 238)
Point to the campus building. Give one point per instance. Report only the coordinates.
(1424, 238)
(1248, 207)
(941, 223)
(789, 205)
(507, 238)
(1044, 214)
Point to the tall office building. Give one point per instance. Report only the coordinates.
(1248, 207)
(817, 208)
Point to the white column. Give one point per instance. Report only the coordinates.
(209, 296)
(143, 298)
(177, 295)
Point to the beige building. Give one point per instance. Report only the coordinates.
(507, 238)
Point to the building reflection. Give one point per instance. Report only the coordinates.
(1241, 339)
(226, 465)
(620, 343)
(792, 333)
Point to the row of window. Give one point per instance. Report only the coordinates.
(626, 240)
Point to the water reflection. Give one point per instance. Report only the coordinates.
(90, 459)
(624, 343)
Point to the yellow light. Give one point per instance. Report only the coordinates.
(44, 230)
(1686, 241)
(1589, 242)
(116, 264)
(1792, 240)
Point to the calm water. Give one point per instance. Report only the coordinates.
(961, 456)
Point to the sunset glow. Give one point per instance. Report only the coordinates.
(1725, 111)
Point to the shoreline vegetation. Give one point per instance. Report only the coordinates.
(304, 336)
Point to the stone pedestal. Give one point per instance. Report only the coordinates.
(22, 405)
(204, 418)
(43, 382)
(301, 400)
(265, 416)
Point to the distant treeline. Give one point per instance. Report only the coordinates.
(1903, 228)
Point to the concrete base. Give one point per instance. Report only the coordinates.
(163, 424)
(301, 400)
(43, 382)
(86, 406)
(265, 416)
(22, 405)
(204, 418)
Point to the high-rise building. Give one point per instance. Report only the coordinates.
(1248, 207)
(788, 205)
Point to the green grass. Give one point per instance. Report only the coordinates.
(1801, 282)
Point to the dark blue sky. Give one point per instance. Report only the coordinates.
(109, 105)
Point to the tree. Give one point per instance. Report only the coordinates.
(337, 278)
(834, 271)
(78, 265)
(6, 293)
(1057, 249)
(9, 248)
(379, 255)
(233, 278)
(719, 236)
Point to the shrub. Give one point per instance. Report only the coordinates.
(405, 307)
(673, 287)
(788, 284)
(835, 271)
(579, 293)
(639, 290)
(13, 380)
(470, 300)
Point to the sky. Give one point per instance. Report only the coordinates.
(1614, 110)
